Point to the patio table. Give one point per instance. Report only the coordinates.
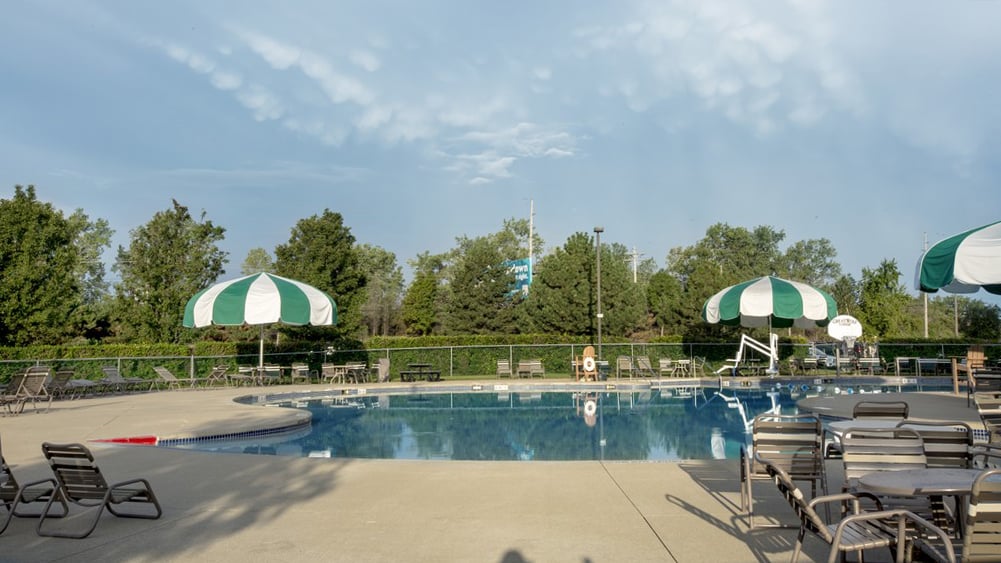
(929, 482)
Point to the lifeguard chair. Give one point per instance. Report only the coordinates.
(586, 366)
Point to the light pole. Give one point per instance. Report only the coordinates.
(597, 251)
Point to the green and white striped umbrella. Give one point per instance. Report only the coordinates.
(963, 263)
(260, 299)
(770, 301)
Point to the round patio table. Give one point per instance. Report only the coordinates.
(931, 482)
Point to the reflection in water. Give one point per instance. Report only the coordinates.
(717, 444)
(647, 425)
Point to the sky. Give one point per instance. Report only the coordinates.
(871, 124)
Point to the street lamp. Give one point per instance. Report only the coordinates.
(597, 251)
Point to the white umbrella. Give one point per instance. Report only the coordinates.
(260, 299)
(963, 263)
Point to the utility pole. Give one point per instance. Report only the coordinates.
(635, 257)
(923, 293)
(531, 224)
(597, 250)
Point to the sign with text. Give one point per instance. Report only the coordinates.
(522, 270)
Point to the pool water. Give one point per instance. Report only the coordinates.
(653, 425)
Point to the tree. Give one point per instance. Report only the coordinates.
(481, 291)
(92, 320)
(563, 298)
(169, 259)
(845, 292)
(811, 262)
(725, 256)
(663, 296)
(381, 311)
(623, 302)
(258, 260)
(883, 301)
(40, 271)
(979, 320)
(321, 252)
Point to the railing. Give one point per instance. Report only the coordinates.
(481, 361)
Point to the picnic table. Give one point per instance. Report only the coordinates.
(415, 372)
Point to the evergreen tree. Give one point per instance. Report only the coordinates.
(321, 252)
(169, 259)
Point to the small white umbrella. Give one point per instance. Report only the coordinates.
(260, 299)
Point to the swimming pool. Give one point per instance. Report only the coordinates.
(652, 425)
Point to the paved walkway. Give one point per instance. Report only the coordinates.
(246, 508)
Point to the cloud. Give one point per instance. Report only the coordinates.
(280, 56)
(364, 59)
(264, 105)
(226, 80)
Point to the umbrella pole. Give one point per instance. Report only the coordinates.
(260, 356)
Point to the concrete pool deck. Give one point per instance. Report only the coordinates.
(236, 507)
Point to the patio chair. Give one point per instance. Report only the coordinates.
(301, 372)
(504, 368)
(245, 375)
(859, 530)
(332, 373)
(80, 482)
(624, 364)
(866, 450)
(13, 494)
(643, 366)
(880, 409)
(171, 381)
(217, 375)
(698, 366)
(665, 367)
(946, 444)
(981, 541)
(270, 375)
(791, 443)
(380, 371)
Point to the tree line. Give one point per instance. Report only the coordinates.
(53, 286)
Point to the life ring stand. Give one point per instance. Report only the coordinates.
(590, 407)
(589, 364)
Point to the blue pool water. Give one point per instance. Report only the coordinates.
(651, 425)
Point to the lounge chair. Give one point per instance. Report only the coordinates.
(171, 381)
(10, 398)
(81, 482)
(113, 380)
(33, 389)
(217, 375)
(14, 494)
(59, 386)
